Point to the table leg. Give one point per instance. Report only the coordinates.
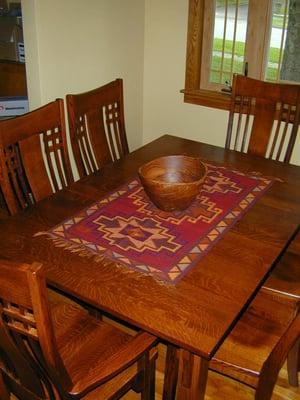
(171, 373)
(192, 376)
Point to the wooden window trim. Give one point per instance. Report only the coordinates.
(207, 98)
(192, 92)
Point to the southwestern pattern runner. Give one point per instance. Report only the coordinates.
(126, 227)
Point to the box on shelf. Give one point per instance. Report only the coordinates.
(12, 106)
(3, 7)
(21, 52)
(14, 9)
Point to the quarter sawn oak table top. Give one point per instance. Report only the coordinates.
(198, 312)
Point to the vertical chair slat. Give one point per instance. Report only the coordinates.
(28, 169)
(265, 112)
(103, 109)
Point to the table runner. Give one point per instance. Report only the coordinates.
(127, 228)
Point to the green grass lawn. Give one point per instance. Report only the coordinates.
(271, 75)
(239, 49)
(221, 3)
(277, 21)
(238, 61)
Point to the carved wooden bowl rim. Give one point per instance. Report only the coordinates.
(183, 156)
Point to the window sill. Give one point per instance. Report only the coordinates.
(207, 98)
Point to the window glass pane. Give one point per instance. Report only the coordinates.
(230, 26)
(283, 61)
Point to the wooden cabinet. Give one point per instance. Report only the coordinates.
(12, 79)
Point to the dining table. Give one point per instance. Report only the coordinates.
(195, 305)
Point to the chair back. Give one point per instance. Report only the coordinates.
(97, 126)
(27, 344)
(264, 118)
(34, 160)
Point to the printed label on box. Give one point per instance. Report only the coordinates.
(12, 107)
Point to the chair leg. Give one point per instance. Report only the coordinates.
(152, 378)
(265, 388)
(293, 364)
(4, 393)
(171, 373)
(148, 387)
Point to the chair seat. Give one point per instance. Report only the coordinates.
(285, 278)
(107, 390)
(78, 335)
(247, 347)
(58, 299)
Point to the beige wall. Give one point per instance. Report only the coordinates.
(164, 110)
(74, 45)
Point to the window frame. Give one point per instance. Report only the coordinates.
(192, 92)
(197, 61)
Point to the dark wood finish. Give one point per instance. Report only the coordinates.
(3, 208)
(4, 394)
(171, 373)
(293, 364)
(257, 347)
(255, 350)
(198, 313)
(173, 182)
(97, 126)
(221, 387)
(12, 79)
(76, 355)
(285, 280)
(192, 374)
(270, 104)
(31, 171)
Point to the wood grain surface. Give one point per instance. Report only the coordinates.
(220, 387)
(198, 312)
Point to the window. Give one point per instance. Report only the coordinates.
(237, 36)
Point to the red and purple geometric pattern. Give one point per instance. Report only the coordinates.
(127, 228)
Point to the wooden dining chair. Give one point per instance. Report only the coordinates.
(254, 351)
(54, 352)
(34, 160)
(97, 126)
(263, 118)
(285, 281)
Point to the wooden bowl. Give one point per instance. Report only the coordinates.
(172, 182)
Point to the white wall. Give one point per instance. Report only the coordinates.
(164, 72)
(74, 45)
